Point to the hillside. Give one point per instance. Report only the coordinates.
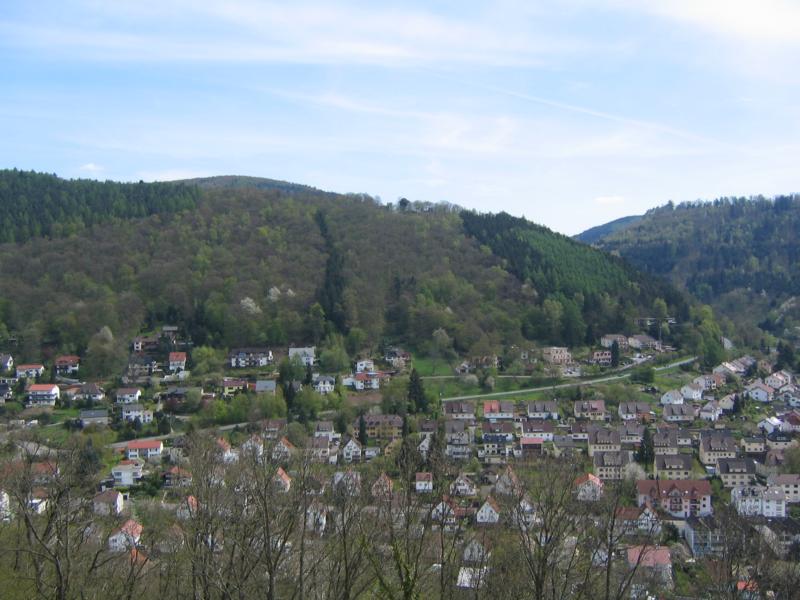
(596, 234)
(249, 266)
(740, 254)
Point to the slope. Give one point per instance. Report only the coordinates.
(596, 234)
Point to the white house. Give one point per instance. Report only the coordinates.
(43, 394)
(126, 537)
(128, 395)
(177, 361)
(463, 486)
(366, 365)
(131, 412)
(109, 502)
(324, 384)
(770, 424)
(672, 397)
(760, 392)
(351, 451)
(789, 483)
(543, 409)
(6, 362)
(711, 411)
(423, 483)
(692, 392)
(31, 370)
(127, 473)
(306, 355)
(589, 487)
(759, 501)
(144, 449)
(488, 513)
(778, 379)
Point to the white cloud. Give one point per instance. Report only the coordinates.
(91, 168)
(609, 200)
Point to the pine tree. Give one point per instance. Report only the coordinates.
(362, 430)
(417, 401)
(615, 354)
(646, 452)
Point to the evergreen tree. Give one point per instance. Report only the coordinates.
(417, 401)
(646, 452)
(362, 430)
(615, 354)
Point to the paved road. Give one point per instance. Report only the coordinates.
(684, 361)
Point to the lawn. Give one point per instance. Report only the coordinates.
(427, 366)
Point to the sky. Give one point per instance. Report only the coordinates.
(570, 112)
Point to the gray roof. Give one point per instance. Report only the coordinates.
(93, 414)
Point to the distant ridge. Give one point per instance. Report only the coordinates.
(237, 182)
(595, 234)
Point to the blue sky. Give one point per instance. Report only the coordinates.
(570, 112)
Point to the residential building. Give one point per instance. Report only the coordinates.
(30, 371)
(423, 483)
(594, 410)
(644, 342)
(109, 503)
(365, 365)
(128, 395)
(324, 384)
(351, 451)
(759, 501)
(607, 341)
(43, 394)
(306, 355)
(635, 411)
(243, 358)
(604, 440)
(715, 445)
(692, 392)
(557, 355)
(459, 410)
(131, 412)
(760, 392)
(672, 397)
(144, 449)
(611, 465)
(711, 411)
(93, 417)
(127, 473)
(126, 537)
(789, 483)
(67, 364)
(543, 409)
(736, 471)
(589, 487)
(177, 361)
(495, 410)
(679, 498)
(679, 413)
(488, 513)
(673, 466)
(704, 536)
(665, 441)
(382, 427)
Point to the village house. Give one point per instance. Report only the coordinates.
(594, 410)
(233, 385)
(644, 342)
(306, 355)
(589, 488)
(458, 438)
(557, 355)
(176, 477)
(632, 520)
(42, 394)
(679, 498)
(459, 410)
(488, 513)
(611, 465)
(324, 384)
(494, 410)
(423, 483)
(607, 341)
(177, 362)
(351, 451)
(753, 444)
(601, 357)
(779, 440)
(736, 471)
(672, 397)
(604, 440)
(778, 379)
(673, 466)
(692, 392)
(90, 392)
(127, 473)
(128, 395)
(244, 358)
(759, 501)
(30, 371)
(6, 363)
(665, 441)
(67, 364)
(282, 450)
(144, 449)
(281, 480)
(711, 411)
(93, 417)
(654, 564)
(382, 427)
(125, 537)
(363, 381)
(631, 433)
(365, 365)
(108, 503)
(705, 536)
(463, 486)
(679, 413)
(789, 483)
(760, 392)
(543, 409)
(131, 412)
(541, 429)
(710, 382)
(715, 445)
(635, 411)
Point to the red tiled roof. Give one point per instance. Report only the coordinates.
(143, 444)
(177, 357)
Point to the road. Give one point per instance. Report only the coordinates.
(174, 434)
(678, 363)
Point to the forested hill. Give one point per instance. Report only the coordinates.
(38, 204)
(732, 252)
(596, 234)
(250, 266)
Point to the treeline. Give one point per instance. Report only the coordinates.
(578, 292)
(728, 252)
(37, 204)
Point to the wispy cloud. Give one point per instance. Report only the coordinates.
(609, 200)
(91, 168)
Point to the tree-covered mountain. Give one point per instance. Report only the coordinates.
(739, 254)
(38, 204)
(274, 265)
(596, 234)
